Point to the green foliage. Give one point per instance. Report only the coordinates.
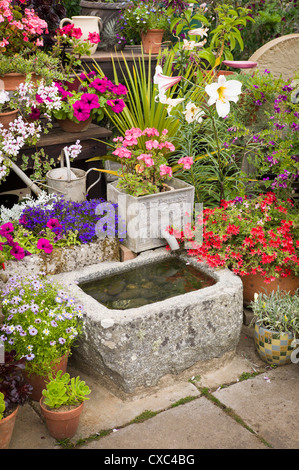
(41, 64)
(72, 7)
(277, 311)
(2, 405)
(63, 390)
(142, 110)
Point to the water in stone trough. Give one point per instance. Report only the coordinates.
(147, 284)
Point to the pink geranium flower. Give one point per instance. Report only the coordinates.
(165, 170)
(94, 38)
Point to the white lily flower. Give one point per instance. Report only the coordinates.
(193, 113)
(170, 102)
(198, 32)
(222, 92)
(190, 45)
(163, 81)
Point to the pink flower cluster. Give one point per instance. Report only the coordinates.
(76, 33)
(14, 31)
(144, 152)
(96, 95)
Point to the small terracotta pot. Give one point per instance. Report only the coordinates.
(255, 283)
(6, 118)
(38, 382)
(6, 429)
(152, 40)
(67, 125)
(62, 424)
(13, 80)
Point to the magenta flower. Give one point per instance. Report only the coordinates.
(91, 100)
(6, 229)
(94, 38)
(120, 89)
(17, 251)
(116, 105)
(53, 223)
(81, 110)
(35, 113)
(99, 84)
(44, 244)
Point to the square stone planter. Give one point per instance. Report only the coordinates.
(147, 217)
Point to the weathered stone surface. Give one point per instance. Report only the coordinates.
(66, 259)
(138, 346)
(279, 56)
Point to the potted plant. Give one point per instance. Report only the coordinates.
(256, 237)
(8, 110)
(14, 392)
(62, 404)
(145, 180)
(276, 319)
(144, 22)
(20, 33)
(79, 108)
(46, 333)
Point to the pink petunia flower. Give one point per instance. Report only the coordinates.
(45, 245)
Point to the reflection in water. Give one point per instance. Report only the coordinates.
(147, 284)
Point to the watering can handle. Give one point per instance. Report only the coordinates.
(68, 166)
(93, 184)
(64, 20)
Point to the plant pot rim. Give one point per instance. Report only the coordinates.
(13, 413)
(14, 111)
(259, 324)
(56, 413)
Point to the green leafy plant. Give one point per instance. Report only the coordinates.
(138, 17)
(2, 405)
(277, 311)
(63, 390)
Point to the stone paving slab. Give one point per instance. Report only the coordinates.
(269, 407)
(196, 425)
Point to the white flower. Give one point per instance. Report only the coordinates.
(4, 96)
(171, 102)
(163, 81)
(193, 113)
(222, 92)
(199, 32)
(190, 45)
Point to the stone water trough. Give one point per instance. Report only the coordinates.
(135, 348)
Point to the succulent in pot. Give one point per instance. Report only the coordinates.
(62, 404)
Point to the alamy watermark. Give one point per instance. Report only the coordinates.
(138, 220)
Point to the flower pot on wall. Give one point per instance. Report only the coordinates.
(38, 382)
(11, 81)
(254, 283)
(152, 40)
(148, 216)
(6, 429)
(7, 118)
(273, 347)
(62, 424)
(67, 125)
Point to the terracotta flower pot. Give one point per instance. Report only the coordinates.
(67, 125)
(255, 283)
(61, 424)
(38, 382)
(6, 429)
(13, 80)
(152, 40)
(10, 116)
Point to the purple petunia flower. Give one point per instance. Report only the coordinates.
(81, 110)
